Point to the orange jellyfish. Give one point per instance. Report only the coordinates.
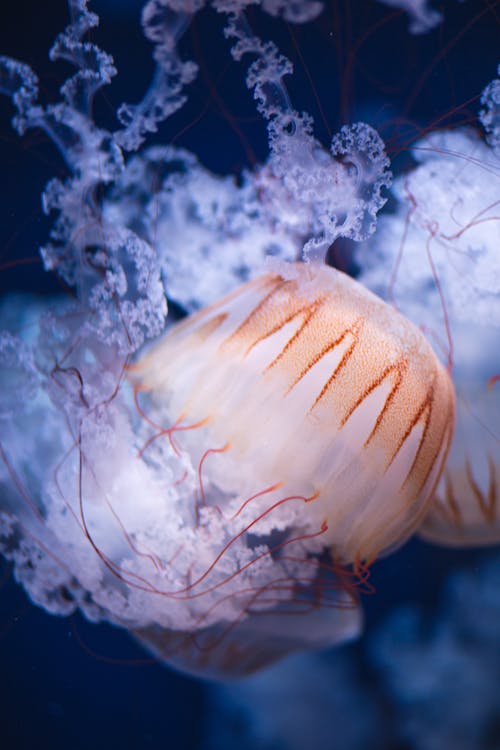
(319, 420)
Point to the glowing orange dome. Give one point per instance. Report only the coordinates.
(304, 381)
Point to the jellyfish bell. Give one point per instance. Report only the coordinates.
(235, 649)
(304, 383)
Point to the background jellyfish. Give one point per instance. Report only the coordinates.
(425, 121)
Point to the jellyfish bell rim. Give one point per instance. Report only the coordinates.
(234, 651)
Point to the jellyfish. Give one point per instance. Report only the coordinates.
(255, 556)
(288, 395)
(220, 486)
(449, 204)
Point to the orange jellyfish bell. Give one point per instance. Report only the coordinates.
(306, 381)
(317, 421)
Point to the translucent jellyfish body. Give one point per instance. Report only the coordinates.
(318, 422)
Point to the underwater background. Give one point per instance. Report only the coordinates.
(426, 672)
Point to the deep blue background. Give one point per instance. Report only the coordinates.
(63, 682)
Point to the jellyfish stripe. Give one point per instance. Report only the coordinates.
(295, 341)
(432, 447)
(397, 369)
(456, 515)
(312, 380)
(302, 314)
(492, 489)
(486, 504)
(255, 326)
(211, 325)
(463, 513)
(446, 507)
(354, 332)
(424, 415)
